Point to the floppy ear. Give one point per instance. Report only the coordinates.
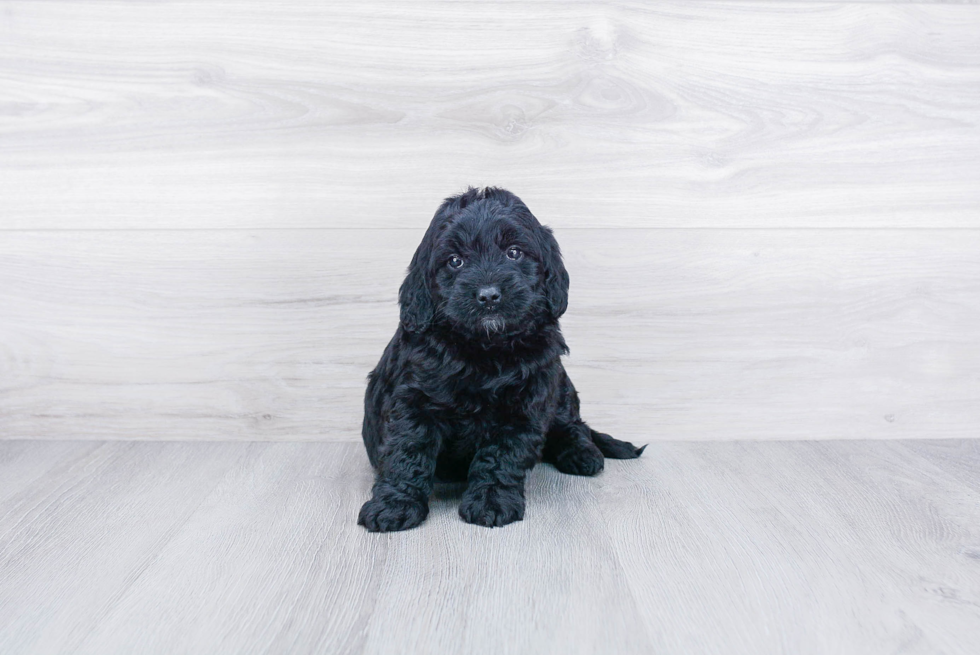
(414, 296)
(555, 275)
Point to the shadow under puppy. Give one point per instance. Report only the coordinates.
(472, 387)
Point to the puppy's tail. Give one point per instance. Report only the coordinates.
(614, 448)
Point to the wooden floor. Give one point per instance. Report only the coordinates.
(725, 547)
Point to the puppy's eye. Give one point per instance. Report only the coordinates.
(455, 261)
(514, 253)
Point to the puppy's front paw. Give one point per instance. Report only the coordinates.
(390, 514)
(492, 507)
(585, 460)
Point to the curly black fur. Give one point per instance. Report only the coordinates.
(472, 387)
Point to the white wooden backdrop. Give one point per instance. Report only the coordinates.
(770, 210)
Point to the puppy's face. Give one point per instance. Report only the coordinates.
(486, 268)
(487, 273)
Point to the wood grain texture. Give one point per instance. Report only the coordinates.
(817, 536)
(23, 463)
(352, 114)
(675, 334)
(72, 542)
(959, 459)
(756, 548)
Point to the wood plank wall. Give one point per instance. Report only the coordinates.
(770, 210)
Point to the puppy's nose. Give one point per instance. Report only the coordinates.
(488, 296)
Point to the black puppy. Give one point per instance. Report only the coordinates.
(471, 387)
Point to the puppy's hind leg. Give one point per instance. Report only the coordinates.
(570, 448)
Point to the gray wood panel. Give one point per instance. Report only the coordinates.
(756, 548)
(959, 459)
(675, 334)
(72, 542)
(352, 114)
(24, 463)
(832, 547)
